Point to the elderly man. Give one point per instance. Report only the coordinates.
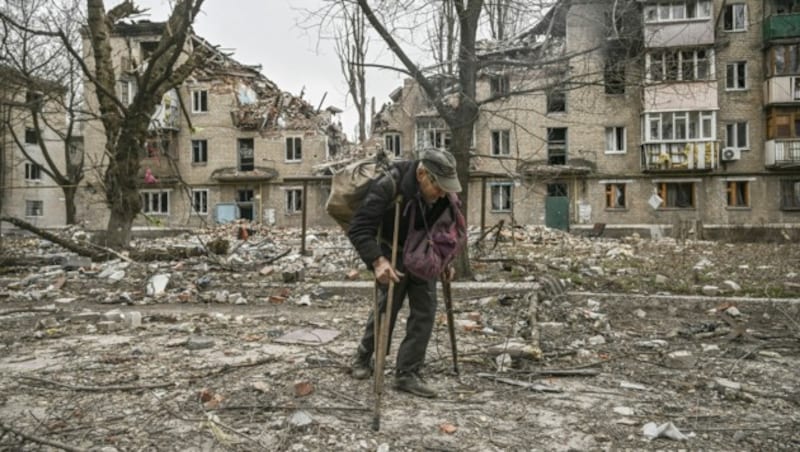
(423, 185)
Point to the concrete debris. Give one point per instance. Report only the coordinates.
(651, 431)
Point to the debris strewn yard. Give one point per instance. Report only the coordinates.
(638, 344)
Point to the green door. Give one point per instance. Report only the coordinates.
(556, 207)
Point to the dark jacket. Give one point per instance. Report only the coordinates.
(376, 212)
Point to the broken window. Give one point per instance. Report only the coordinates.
(498, 85)
(200, 201)
(31, 136)
(199, 151)
(557, 146)
(200, 101)
(680, 126)
(294, 149)
(34, 208)
(738, 193)
(501, 196)
(615, 140)
(33, 172)
(558, 189)
(501, 142)
(790, 194)
(155, 202)
(734, 17)
(392, 144)
(615, 196)
(736, 135)
(736, 76)
(556, 101)
(294, 200)
(677, 194)
(614, 77)
(246, 149)
(685, 65)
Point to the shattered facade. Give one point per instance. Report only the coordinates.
(227, 145)
(28, 192)
(657, 115)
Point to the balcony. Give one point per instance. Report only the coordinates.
(685, 33)
(680, 156)
(681, 96)
(782, 90)
(782, 153)
(167, 115)
(782, 26)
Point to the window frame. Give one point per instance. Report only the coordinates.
(735, 125)
(663, 189)
(200, 149)
(203, 194)
(656, 8)
(294, 149)
(733, 188)
(293, 200)
(734, 81)
(200, 101)
(31, 136)
(243, 162)
(393, 143)
(557, 149)
(155, 206)
(505, 191)
(731, 7)
(612, 197)
(670, 64)
(499, 85)
(501, 143)
(556, 101)
(34, 208)
(614, 133)
(702, 118)
(33, 172)
(790, 194)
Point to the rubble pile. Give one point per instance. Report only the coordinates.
(574, 343)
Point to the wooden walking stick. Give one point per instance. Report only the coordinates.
(448, 304)
(382, 322)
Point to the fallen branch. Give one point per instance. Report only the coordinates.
(273, 259)
(55, 239)
(291, 408)
(559, 372)
(21, 310)
(39, 439)
(98, 388)
(523, 384)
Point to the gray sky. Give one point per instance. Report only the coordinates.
(265, 32)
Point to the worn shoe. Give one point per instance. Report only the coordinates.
(412, 383)
(361, 366)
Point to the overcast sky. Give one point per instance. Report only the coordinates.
(266, 32)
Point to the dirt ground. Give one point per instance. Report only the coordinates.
(637, 332)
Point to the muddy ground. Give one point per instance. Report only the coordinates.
(646, 331)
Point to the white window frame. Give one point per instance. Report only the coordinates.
(199, 149)
(152, 202)
(501, 143)
(734, 7)
(293, 200)
(679, 56)
(702, 11)
(505, 194)
(615, 134)
(795, 88)
(127, 91)
(437, 138)
(33, 172)
(705, 126)
(732, 130)
(393, 143)
(200, 101)
(294, 149)
(34, 208)
(200, 195)
(735, 83)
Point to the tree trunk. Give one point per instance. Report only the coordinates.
(69, 203)
(122, 187)
(459, 147)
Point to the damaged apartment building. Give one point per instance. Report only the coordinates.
(227, 145)
(31, 148)
(621, 116)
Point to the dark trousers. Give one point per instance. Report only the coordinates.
(422, 304)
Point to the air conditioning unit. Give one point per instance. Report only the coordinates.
(731, 154)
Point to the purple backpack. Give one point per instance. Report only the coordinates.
(427, 252)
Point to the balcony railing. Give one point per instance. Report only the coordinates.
(167, 115)
(782, 153)
(782, 26)
(680, 156)
(691, 32)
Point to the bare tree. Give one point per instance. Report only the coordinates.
(42, 84)
(351, 45)
(126, 125)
